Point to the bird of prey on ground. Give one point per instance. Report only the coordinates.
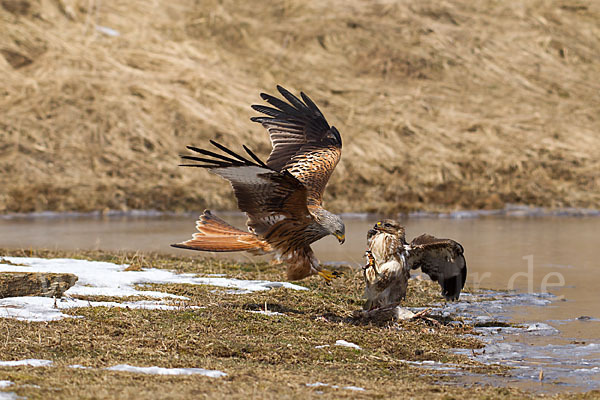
(390, 259)
(282, 197)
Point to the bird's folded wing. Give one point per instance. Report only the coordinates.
(267, 196)
(303, 142)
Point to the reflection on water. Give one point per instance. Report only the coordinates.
(530, 254)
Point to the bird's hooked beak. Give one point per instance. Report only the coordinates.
(341, 237)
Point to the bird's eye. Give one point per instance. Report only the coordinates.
(387, 225)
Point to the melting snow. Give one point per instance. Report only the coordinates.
(321, 384)
(347, 344)
(5, 384)
(98, 278)
(434, 365)
(31, 362)
(540, 326)
(168, 371)
(108, 31)
(355, 388)
(570, 364)
(108, 279)
(9, 396)
(78, 366)
(45, 309)
(265, 312)
(317, 384)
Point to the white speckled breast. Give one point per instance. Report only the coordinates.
(382, 247)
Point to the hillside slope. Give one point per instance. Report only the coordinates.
(441, 105)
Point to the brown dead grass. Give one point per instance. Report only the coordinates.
(441, 105)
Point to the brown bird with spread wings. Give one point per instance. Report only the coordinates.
(390, 259)
(282, 197)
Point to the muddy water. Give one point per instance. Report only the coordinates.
(531, 255)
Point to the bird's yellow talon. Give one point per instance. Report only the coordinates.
(370, 259)
(329, 275)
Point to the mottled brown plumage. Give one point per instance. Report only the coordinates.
(390, 259)
(386, 275)
(282, 197)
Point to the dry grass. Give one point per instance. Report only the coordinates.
(441, 105)
(264, 356)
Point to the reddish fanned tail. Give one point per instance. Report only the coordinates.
(214, 234)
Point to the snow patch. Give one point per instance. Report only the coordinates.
(541, 327)
(9, 396)
(97, 278)
(77, 366)
(5, 384)
(46, 309)
(433, 365)
(32, 362)
(317, 384)
(593, 370)
(167, 371)
(355, 388)
(265, 312)
(321, 384)
(347, 344)
(108, 31)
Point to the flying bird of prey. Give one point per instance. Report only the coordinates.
(282, 197)
(390, 259)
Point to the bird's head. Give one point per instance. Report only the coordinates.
(388, 226)
(334, 225)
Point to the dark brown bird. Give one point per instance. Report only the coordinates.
(282, 197)
(392, 258)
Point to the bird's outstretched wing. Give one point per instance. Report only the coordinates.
(303, 142)
(442, 260)
(273, 200)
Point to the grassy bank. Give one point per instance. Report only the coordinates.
(264, 356)
(441, 105)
